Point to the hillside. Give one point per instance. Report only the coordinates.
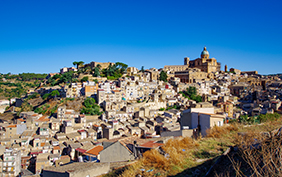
(187, 157)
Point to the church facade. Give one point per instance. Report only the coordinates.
(204, 63)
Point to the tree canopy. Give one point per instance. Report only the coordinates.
(84, 79)
(142, 69)
(191, 93)
(163, 76)
(114, 71)
(90, 107)
(78, 63)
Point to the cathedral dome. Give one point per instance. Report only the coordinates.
(205, 53)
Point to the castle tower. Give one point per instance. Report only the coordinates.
(186, 61)
(225, 68)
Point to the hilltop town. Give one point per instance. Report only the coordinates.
(88, 118)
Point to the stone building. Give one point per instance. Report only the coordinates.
(204, 63)
(94, 64)
(11, 162)
(77, 169)
(130, 71)
(154, 75)
(192, 75)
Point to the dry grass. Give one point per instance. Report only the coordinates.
(261, 156)
(132, 170)
(180, 154)
(175, 150)
(174, 157)
(218, 132)
(154, 159)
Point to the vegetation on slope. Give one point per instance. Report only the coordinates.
(90, 107)
(191, 93)
(188, 157)
(23, 76)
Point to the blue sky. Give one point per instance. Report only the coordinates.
(44, 36)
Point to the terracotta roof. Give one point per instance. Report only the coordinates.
(151, 144)
(32, 153)
(42, 119)
(11, 126)
(56, 148)
(21, 120)
(42, 144)
(95, 150)
(80, 150)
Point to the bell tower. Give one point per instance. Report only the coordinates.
(186, 61)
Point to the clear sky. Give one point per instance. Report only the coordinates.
(44, 36)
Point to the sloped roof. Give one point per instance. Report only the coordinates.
(151, 144)
(95, 150)
(12, 126)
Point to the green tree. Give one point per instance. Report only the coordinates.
(191, 91)
(75, 63)
(80, 64)
(90, 107)
(142, 69)
(84, 79)
(34, 95)
(55, 93)
(96, 72)
(89, 102)
(45, 96)
(121, 67)
(163, 76)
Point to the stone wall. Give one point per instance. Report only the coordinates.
(77, 169)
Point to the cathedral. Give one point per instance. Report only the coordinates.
(205, 64)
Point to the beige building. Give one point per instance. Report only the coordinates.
(94, 64)
(192, 75)
(11, 165)
(154, 75)
(11, 130)
(226, 107)
(113, 96)
(236, 71)
(91, 90)
(130, 71)
(174, 68)
(204, 63)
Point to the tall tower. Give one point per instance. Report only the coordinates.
(225, 68)
(186, 61)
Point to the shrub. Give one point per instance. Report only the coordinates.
(261, 156)
(155, 159)
(217, 132)
(268, 117)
